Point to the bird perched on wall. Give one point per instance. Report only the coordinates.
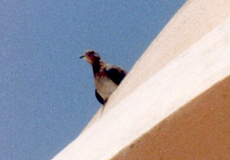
(106, 77)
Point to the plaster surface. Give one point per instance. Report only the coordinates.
(159, 104)
(191, 23)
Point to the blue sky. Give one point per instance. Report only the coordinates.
(47, 93)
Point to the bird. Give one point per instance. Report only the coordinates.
(107, 77)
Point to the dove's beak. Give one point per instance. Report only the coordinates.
(82, 56)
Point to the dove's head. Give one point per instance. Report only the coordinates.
(90, 56)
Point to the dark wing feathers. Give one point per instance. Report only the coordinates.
(115, 73)
(99, 98)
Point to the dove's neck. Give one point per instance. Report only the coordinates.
(97, 66)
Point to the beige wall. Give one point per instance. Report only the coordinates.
(174, 104)
(200, 130)
(192, 22)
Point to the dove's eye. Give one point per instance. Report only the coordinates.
(91, 52)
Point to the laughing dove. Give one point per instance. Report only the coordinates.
(106, 77)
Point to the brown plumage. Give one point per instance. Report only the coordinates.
(106, 77)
